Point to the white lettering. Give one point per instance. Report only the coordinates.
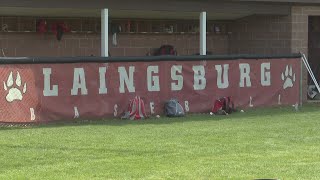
(115, 110)
(46, 89)
(244, 74)
(186, 106)
(279, 99)
(265, 76)
(152, 107)
(103, 88)
(222, 81)
(153, 81)
(79, 82)
(125, 79)
(179, 78)
(76, 113)
(199, 79)
(32, 115)
(250, 103)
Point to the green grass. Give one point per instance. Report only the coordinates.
(260, 143)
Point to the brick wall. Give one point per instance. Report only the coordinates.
(83, 44)
(299, 19)
(186, 44)
(34, 44)
(261, 35)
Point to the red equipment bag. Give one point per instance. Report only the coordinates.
(59, 29)
(136, 109)
(225, 104)
(165, 50)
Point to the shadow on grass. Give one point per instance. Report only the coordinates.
(253, 112)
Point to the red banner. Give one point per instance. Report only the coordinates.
(47, 92)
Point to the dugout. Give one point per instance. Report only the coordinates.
(232, 27)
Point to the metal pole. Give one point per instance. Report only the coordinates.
(104, 33)
(305, 61)
(310, 71)
(301, 79)
(203, 33)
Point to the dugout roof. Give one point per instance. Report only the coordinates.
(151, 9)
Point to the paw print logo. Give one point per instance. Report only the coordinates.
(14, 88)
(288, 77)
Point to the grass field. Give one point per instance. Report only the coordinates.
(261, 143)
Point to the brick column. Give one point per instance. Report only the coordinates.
(299, 33)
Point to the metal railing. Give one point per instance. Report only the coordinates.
(96, 59)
